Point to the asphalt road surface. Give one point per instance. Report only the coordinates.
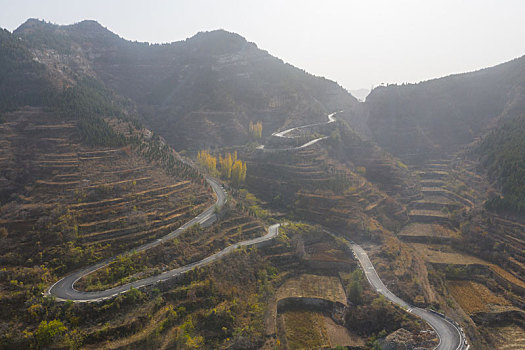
(331, 119)
(450, 335)
(64, 289)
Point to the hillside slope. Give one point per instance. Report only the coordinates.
(502, 153)
(436, 117)
(198, 93)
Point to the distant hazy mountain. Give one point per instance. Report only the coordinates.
(360, 94)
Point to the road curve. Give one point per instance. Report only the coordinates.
(331, 119)
(282, 134)
(64, 289)
(450, 335)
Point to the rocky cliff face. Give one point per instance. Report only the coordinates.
(201, 92)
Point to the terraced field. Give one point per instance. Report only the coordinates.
(430, 213)
(508, 337)
(474, 297)
(193, 245)
(102, 199)
(511, 235)
(301, 324)
(437, 201)
(416, 229)
(318, 188)
(304, 330)
(313, 286)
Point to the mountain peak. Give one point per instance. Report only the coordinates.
(32, 24)
(218, 41)
(89, 24)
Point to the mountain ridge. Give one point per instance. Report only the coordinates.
(198, 80)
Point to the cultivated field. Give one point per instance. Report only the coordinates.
(305, 330)
(426, 230)
(510, 337)
(313, 286)
(474, 297)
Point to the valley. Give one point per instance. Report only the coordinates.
(205, 194)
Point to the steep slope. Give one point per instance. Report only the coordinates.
(197, 93)
(502, 154)
(436, 117)
(22, 80)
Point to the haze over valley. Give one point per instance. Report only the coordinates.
(205, 193)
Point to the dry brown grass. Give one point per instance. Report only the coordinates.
(509, 277)
(442, 254)
(340, 335)
(305, 330)
(313, 286)
(427, 230)
(474, 297)
(510, 337)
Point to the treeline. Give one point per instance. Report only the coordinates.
(230, 168)
(156, 150)
(89, 102)
(23, 81)
(255, 130)
(503, 154)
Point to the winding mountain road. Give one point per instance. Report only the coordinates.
(331, 119)
(282, 134)
(64, 289)
(450, 335)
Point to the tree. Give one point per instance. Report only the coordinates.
(355, 288)
(48, 332)
(207, 161)
(238, 172)
(226, 164)
(256, 130)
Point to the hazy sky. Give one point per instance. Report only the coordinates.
(356, 43)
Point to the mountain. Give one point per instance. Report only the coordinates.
(435, 118)
(82, 180)
(22, 80)
(502, 153)
(198, 93)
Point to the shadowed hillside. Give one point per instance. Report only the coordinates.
(198, 93)
(436, 117)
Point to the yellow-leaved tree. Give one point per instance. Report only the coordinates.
(230, 168)
(256, 130)
(208, 161)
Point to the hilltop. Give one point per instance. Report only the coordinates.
(200, 92)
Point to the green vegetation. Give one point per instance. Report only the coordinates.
(48, 332)
(204, 309)
(502, 153)
(23, 81)
(89, 102)
(376, 315)
(46, 36)
(355, 288)
(193, 245)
